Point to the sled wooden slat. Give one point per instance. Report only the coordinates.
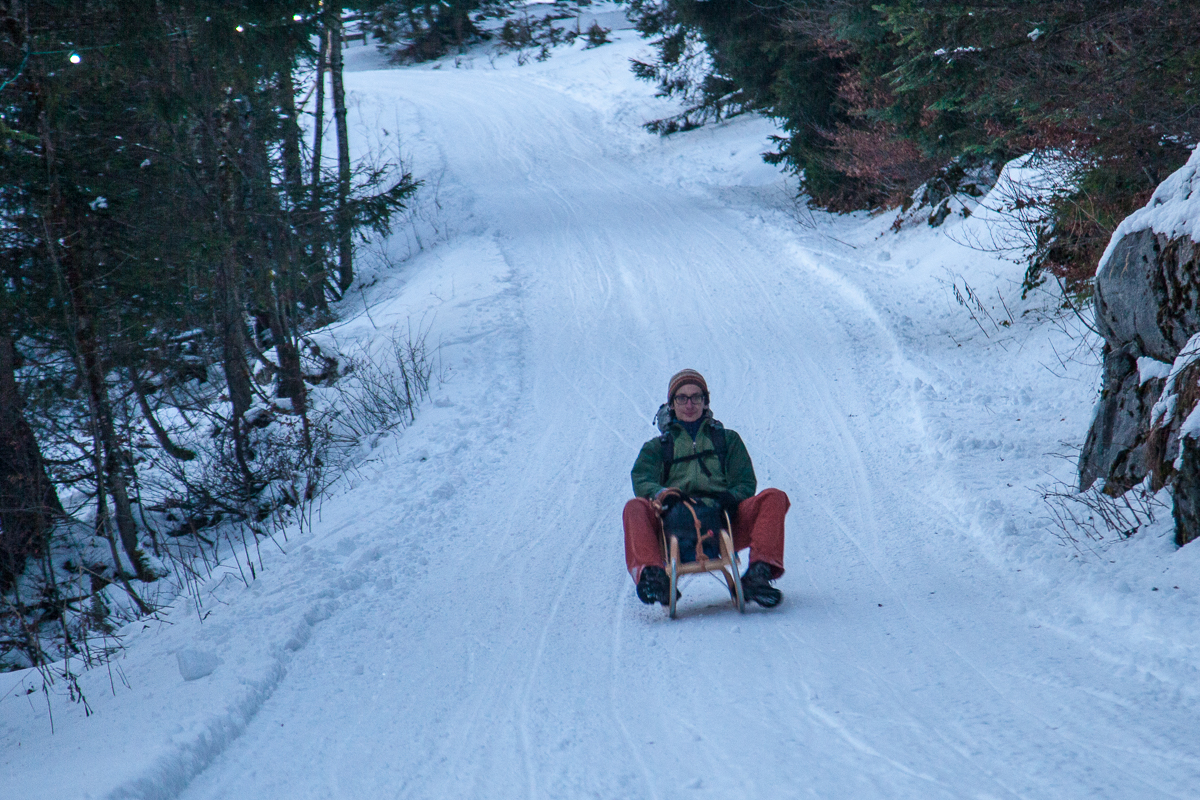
(727, 564)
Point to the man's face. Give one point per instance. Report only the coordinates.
(689, 402)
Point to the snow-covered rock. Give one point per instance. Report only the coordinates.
(1148, 310)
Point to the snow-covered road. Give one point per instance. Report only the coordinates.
(476, 635)
(522, 663)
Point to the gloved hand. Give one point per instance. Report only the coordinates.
(666, 498)
(729, 504)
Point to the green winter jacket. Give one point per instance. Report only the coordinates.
(688, 476)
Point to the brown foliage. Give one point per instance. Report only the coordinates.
(885, 167)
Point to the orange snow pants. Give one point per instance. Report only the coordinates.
(759, 526)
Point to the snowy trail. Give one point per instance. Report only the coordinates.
(520, 664)
(458, 623)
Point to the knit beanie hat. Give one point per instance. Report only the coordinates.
(683, 377)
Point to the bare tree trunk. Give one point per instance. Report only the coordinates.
(233, 351)
(312, 292)
(291, 382)
(228, 285)
(173, 450)
(29, 503)
(344, 243)
(102, 466)
(277, 287)
(291, 378)
(314, 289)
(293, 170)
(319, 122)
(81, 321)
(88, 346)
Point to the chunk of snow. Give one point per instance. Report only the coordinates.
(195, 664)
(1151, 368)
(98, 203)
(941, 51)
(1190, 429)
(1165, 406)
(1189, 353)
(1035, 34)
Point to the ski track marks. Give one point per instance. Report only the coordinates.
(469, 630)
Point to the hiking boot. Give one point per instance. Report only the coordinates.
(756, 585)
(654, 586)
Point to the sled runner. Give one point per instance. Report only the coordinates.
(698, 555)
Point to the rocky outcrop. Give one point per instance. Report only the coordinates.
(1147, 300)
(1146, 292)
(1115, 449)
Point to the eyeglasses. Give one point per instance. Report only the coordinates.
(689, 399)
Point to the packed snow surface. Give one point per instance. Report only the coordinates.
(457, 622)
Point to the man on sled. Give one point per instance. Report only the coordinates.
(697, 462)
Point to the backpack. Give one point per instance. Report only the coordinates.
(695, 525)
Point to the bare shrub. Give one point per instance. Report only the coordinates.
(203, 521)
(379, 388)
(988, 322)
(597, 35)
(1091, 519)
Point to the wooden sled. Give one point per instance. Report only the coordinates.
(727, 564)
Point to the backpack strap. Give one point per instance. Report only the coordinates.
(668, 455)
(716, 433)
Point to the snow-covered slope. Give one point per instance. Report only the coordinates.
(457, 622)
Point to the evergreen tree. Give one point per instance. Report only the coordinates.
(420, 30)
(1110, 85)
(159, 227)
(876, 97)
